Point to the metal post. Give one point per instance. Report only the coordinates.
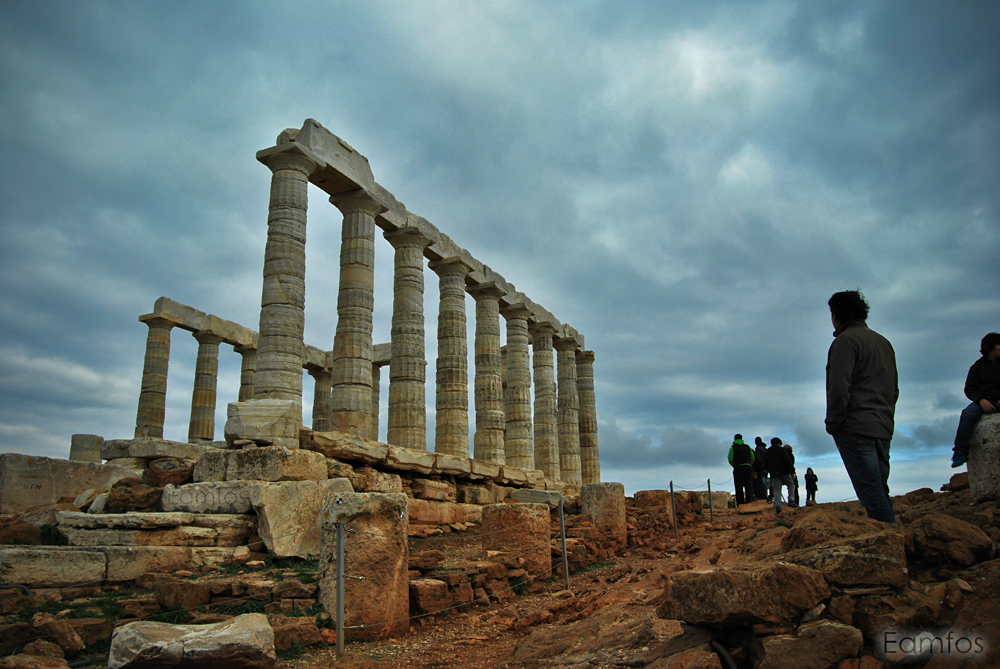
(711, 511)
(562, 533)
(673, 509)
(340, 589)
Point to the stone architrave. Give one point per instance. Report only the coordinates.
(984, 459)
(489, 440)
(590, 463)
(519, 531)
(321, 399)
(407, 422)
(288, 514)
(351, 395)
(518, 451)
(206, 378)
(605, 504)
(153, 396)
(376, 548)
(280, 347)
(569, 412)
(451, 435)
(27, 481)
(248, 369)
(546, 430)
(85, 447)
(246, 641)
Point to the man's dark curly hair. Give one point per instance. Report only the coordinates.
(989, 341)
(848, 305)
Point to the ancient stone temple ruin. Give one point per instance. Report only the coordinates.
(551, 445)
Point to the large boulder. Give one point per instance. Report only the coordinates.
(27, 481)
(938, 538)
(245, 642)
(818, 645)
(742, 594)
(870, 559)
(288, 514)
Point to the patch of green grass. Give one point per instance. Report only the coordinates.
(293, 652)
(519, 584)
(782, 522)
(596, 566)
(239, 608)
(175, 617)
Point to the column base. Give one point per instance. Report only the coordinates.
(265, 422)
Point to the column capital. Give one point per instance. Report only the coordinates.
(451, 266)
(564, 344)
(542, 328)
(516, 311)
(291, 157)
(244, 348)
(584, 357)
(161, 319)
(315, 371)
(357, 201)
(408, 237)
(489, 289)
(207, 337)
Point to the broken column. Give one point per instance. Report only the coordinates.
(248, 368)
(590, 463)
(375, 547)
(569, 410)
(488, 441)
(452, 376)
(351, 397)
(407, 422)
(206, 378)
(518, 451)
(153, 396)
(321, 398)
(546, 432)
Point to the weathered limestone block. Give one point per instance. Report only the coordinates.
(549, 497)
(155, 529)
(605, 503)
(151, 449)
(169, 471)
(349, 448)
(427, 512)
(86, 447)
(719, 499)
(823, 643)
(58, 629)
(442, 491)
(377, 549)
(27, 481)
(647, 498)
(474, 494)
(276, 463)
(429, 595)
(408, 460)
(366, 479)
(46, 515)
(452, 465)
(50, 568)
(871, 559)
(984, 459)
(725, 596)
(484, 470)
(212, 466)
(512, 476)
(520, 530)
(938, 538)
(132, 493)
(265, 421)
(335, 469)
(136, 465)
(289, 514)
(208, 497)
(246, 641)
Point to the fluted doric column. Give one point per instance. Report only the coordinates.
(376, 390)
(569, 410)
(488, 441)
(546, 432)
(206, 380)
(590, 463)
(321, 398)
(351, 397)
(517, 394)
(280, 346)
(248, 369)
(452, 375)
(407, 425)
(153, 393)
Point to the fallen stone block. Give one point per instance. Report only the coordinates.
(150, 448)
(938, 538)
(474, 494)
(442, 491)
(86, 447)
(428, 595)
(871, 559)
(58, 629)
(484, 470)
(208, 497)
(605, 504)
(451, 465)
(246, 641)
(131, 493)
(550, 497)
(426, 512)
(819, 644)
(265, 422)
(276, 463)
(51, 567)
(27, 481)
(344, 447)
(289, 514)
(169, 471)
(366, 479)
(984, 459)
(212, 466)
(512, 476)
(519, 530)
(406, 460)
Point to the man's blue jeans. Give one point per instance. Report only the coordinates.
(867, 463)
(966, 426)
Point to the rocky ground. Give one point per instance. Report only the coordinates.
(812, 587)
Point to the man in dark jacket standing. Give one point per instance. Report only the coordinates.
(982, 386)
(779, 466)
(741, 459)
(861, 392)
(760, 484)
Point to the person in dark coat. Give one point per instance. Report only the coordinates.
(741, 459)
(793, 498)
(779, 466)
(761, 486)
(982, 387)
(811, 487)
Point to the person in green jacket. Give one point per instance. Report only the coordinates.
(741, 460)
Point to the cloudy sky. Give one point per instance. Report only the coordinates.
(685, 183)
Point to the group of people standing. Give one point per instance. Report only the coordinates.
(761, 472)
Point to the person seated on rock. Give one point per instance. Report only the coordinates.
(982, 386)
